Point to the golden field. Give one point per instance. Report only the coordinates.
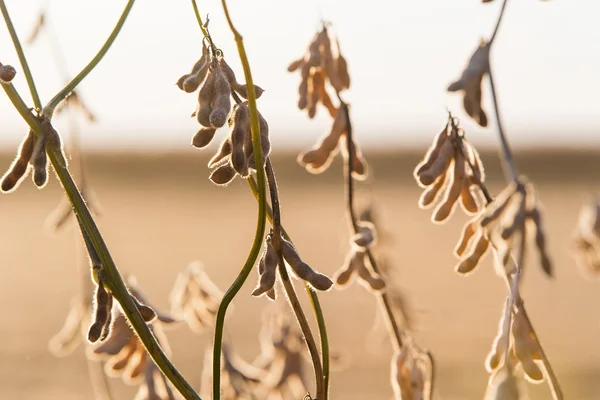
(161, 212)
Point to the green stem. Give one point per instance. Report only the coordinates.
(199, 19)
(260, 225)
(114, 282)
(314, 300)
(21, 54)
(65, 91)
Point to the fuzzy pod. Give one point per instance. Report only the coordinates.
(190, 82)
(440, 164)
(313, 92)
(303, 270)
(366, 276)
(534, 216)
(17, 170)
(498, 350)
(347, 273)
(240, 132)
(265, 143)
(329, 63)
(294, 65)
(242, 89)
(271, 294)
(500, 204)
(203, 137)
(106, 329)
(223, 175)
(467, 198)
(477, 170)
(318, 159)
(137, 364)
(525, 346)
(472, 103)
(445, 209)
(7, 73)
(469, 262)
(313, 56)
(206, 94)
(148, 314)
(39, 161)
(267, 269)
(342, 69)
(67, 339)
(222, 154)
(221, 102)
(101, 312)
(432, 193)
(305, 75)
(117, 363)
(325, 99)
(359, 164)
(517, 224)
(431, 155)
(468, 232)
(365, 237)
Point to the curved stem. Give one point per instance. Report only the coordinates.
(314, 300)
(509, 165)
(382, 297)
(261, 222)
(500, 15)
(114, 282)
(289, 287)
(21, 54)
(65, 91)
(199, 19)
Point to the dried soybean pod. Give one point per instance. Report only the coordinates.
(107, 325)
(120, 360)
(240, 131)
(7, 73)
(366, 275)
(524, 346)
(147, 312)
(477, 170)
(203, 137)
(499, 346)
(329, 63)
(303, 87)
(432, 153)
(271, 294)
(222, 154)
(222, 175)
(431, 193)
(19, 166)
(314, 81)
(346, 273)
(100, 312)
(265, 143)
(518, 222)
(439, 165)
(365, 237)
(499, 205)
(359, 165)
(313, 57)
(205, 98)
(467, 234)
(319, 158)
(133, 372)
(190, 82)
(39, 161)
(540, 240)
(221, 103)
(326, 100)
(342, 68)
(467, 199)
(268, 265)
(446, 207)
(303, 270)
(242, 89)
(294, 65)
(468, 264)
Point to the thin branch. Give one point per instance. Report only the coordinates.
(289, 287)
(21, 54)
(500, 15)
(510, 167)
(314, 299)
(261, 222)
(65, 91)
(382, 297)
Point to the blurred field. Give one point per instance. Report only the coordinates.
(161, 212)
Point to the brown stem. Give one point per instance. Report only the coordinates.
(289, 287)
(382, 297)
(498, 21)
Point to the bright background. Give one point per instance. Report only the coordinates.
(401, 54)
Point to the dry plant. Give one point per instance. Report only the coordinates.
(504, 225)
(126, 334)
(586, 240)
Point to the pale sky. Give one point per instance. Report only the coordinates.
(402, 55)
